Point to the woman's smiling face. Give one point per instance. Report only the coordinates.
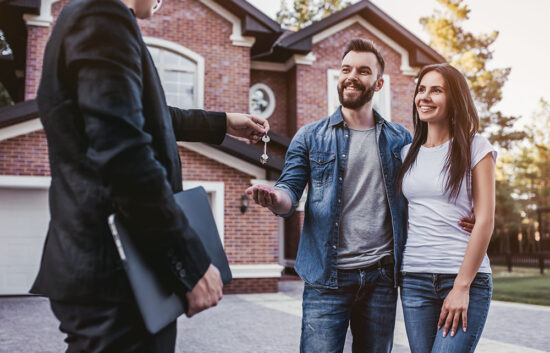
(431, 98)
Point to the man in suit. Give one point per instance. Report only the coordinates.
(112, 148)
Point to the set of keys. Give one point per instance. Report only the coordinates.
(264, 157)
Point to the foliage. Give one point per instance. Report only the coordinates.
(471, 54)
(5, 49)
(302, 13)
(6, 52)
(507, 208)
(532, 161)
(523, 180)
(5, 98)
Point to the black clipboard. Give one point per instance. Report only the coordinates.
(159, 305)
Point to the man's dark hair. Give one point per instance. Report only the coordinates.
(365, 45)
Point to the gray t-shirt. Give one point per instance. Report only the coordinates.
(366, 233)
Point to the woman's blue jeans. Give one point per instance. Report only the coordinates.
(422, 295)
(364, 300)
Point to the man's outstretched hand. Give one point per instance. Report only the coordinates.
(246, 126)
(206, 293)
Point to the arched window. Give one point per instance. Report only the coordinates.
(181, 72)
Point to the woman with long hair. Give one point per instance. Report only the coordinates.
(447, 173)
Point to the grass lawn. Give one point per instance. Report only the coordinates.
(523, 285)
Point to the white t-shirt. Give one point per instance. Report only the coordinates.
(435, 241)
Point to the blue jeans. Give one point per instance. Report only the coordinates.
(365, 299)
(422, 295)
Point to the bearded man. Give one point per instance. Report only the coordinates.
(354, 227)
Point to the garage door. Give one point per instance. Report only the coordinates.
(24, 217)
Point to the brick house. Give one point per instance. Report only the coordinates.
(222, 55)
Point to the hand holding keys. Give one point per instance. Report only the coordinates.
(264, 157)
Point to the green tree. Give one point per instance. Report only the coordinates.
(539, 138)
(302, 13)
(5, 98)
(507, 208)
(523, 179)
(5, 54)
(5, 49)
(470, 54)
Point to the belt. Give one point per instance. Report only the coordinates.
(386, 260)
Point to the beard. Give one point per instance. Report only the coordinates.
(359, 101)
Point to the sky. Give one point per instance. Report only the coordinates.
(524, 28)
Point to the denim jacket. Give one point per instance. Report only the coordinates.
(317, 156)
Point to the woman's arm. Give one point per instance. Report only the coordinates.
(455, 305)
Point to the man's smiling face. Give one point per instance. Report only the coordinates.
(358, 79)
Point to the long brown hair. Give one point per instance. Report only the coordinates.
(463, 125)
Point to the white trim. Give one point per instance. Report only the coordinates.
(296, 59)
(332, 85)
(224, 158)
(271, 96)
(385, 95)
(302, 202)
(45, 18)
(405, 67)
(281, 241)
(257, 271)
(289, 263)
(20, 129)
(25, 182)
(236, 37)
(218, 200)
(180, 49)
(307, 59)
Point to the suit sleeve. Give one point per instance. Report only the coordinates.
(196, 125)
(103, 62)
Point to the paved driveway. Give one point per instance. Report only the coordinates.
(265, 323)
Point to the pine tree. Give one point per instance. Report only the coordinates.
(470, 54)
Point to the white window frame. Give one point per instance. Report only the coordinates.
(189, 54)
(382, 98)
(270, 94)
(216, 189)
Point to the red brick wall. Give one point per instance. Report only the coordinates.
(312, 102)
(25, 155)
(250, 238)
(190, 24)
(36, 43)
(252, 285)
(37, 38)
(292, 102)
(278, 82)
(198, 28)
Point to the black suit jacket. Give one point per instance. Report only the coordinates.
(112, 148)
